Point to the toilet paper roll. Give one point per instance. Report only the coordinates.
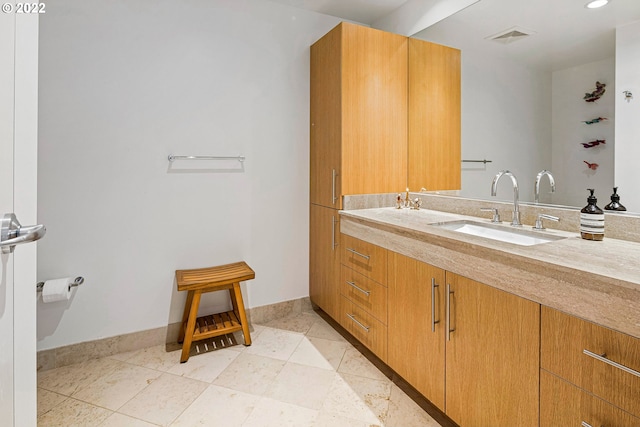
(56, 290)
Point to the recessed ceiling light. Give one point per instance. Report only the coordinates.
(596, 4)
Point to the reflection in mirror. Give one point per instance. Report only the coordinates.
(526, 67)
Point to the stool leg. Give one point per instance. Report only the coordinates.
(185, 316)
(191, 326)
(239, 306)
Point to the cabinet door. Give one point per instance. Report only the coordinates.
(564, 404)
(492, 356)
(325, 120)
(374, 111)
(324, 259)
(434, 117)
(416, 326)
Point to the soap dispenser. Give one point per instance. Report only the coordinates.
(615, 202)
(592, 219)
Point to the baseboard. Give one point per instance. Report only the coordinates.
(76, 353)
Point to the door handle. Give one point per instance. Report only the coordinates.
(12, 233)
(448, 309)
(434, 285)
(333, 233)
(333, 186)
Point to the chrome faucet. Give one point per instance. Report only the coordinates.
(536, 188)
(494, 188)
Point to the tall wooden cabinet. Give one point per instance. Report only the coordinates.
(358, 135)
(379, 101)
(358, 114)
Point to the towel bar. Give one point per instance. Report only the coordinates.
(238, 158)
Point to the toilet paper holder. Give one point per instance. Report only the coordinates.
(76, 282)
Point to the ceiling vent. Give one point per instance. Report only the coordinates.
(511, 35)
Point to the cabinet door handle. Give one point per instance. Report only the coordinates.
(603, 358)
(358, 253)
(448, 319)
(353, 285)
(352, 317)
(586, 424)
(434, 285)
(333, 186)
(333, 233)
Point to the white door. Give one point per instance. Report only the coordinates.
(18, 188)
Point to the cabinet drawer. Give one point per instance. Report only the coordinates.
(365, 293)
(365, 258)
(366, 328)
(597, 359)
(564, 404)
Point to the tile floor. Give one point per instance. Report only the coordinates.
(298, 372)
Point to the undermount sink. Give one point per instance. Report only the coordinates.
(495, 232)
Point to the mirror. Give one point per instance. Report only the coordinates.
(526, 67)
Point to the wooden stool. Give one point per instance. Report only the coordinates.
(202, 280)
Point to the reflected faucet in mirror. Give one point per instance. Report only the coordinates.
(536, 187)
(494, 190)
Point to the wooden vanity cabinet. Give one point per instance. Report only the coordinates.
(485, 370)
(416, 336)
(324, 259)
(363, 293)
(434, 121)
(603, 364)
(358, 113)
(492, 355)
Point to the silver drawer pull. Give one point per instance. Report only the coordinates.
(586, 424)
(352, 317)
(358, 253)
(353, 285)
(603, 358)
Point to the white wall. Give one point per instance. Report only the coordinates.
(627, 127)
(122, 85)
(569, 111)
